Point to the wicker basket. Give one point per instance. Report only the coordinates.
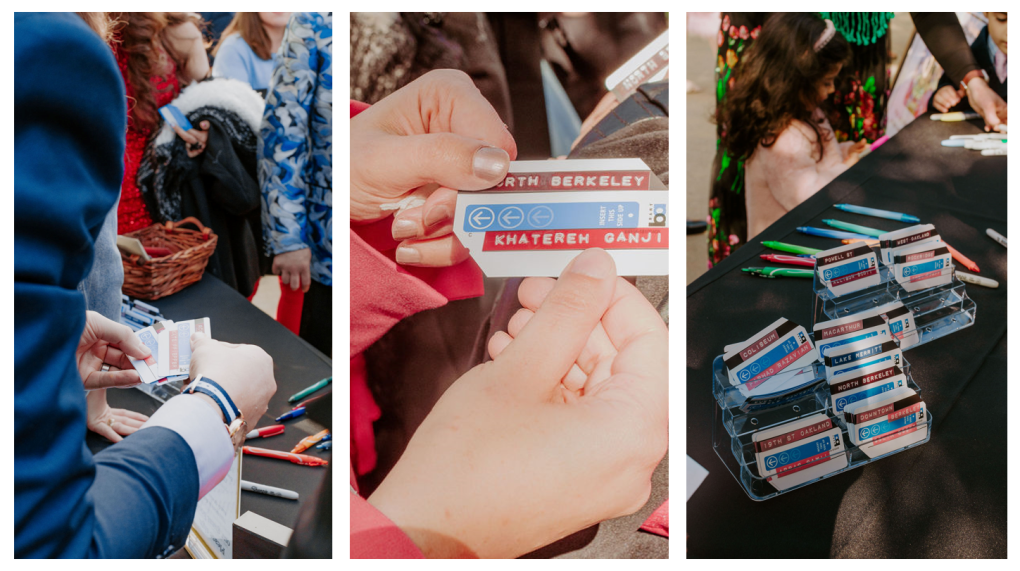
(167, 275)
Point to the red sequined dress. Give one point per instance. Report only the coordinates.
(132, 213)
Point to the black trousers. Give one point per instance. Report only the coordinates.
(317, 317)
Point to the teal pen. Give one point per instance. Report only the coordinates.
(834, 234)
(887, 214)
(854, 228)
(310, 389)
(770, 272)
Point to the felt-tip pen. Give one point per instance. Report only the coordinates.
(792, 260)
(308, 441)
(266, 431)
(302, 459)
(955, 116)
(268, 490)
(877, 213)
(769, 272)
(291, 414)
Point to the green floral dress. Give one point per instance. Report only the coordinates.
(856, 110)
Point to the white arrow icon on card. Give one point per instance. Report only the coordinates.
(511, 217)
(482, 218)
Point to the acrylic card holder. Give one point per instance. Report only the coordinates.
(740, 415)
(937, 311)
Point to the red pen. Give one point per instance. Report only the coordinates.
(303, 459)
(794, 260)
(303, 403)
(266, 431)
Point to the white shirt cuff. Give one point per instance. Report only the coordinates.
(203, 429)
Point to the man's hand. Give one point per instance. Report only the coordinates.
(436, 135)
(947, 98)
(111, 423)
(524, 450)
(244, 371)
(986, 102)
(295, 268)
(105, 342)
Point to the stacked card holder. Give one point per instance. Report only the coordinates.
(937, 311)
(739, 418)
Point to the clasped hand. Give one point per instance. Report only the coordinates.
(560, 431)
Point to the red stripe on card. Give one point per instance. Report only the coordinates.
(927, 276)
(802, 464)
(920, 256)
(594, 180)
(904, 412)
(174, 362)
(792, 436)
(621, 239)
(778, 366)
(853, 277)
(894, 434)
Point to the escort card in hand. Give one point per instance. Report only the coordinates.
(545, 213)
(848, 268)
(799, 451)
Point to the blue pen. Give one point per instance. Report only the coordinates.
(325, 445)
(326, 438)
(291, 414)
(887, 214)
(834, 234)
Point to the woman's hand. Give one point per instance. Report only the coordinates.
(986, 102)
(111, 423)
(433, 137)
(947, 98)
(195, 138)
(105, 342)
(506, 462)
(853, 153)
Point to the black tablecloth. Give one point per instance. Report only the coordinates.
(946, 498)
(297, 365)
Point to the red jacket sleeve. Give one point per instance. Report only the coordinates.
(383, 293)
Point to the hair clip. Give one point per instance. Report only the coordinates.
(827, 35)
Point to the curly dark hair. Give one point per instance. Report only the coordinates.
(778, 82)
(140, 36)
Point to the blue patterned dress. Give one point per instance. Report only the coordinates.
(295, 145)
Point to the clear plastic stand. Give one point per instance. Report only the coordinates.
(938, 311)
(739, 415)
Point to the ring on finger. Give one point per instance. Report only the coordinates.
(110, 422)
(106, 367)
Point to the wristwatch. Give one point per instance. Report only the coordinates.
(237, 427)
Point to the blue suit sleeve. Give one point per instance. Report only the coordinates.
(137, 498)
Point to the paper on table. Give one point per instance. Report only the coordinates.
(212, 532)
(695, 475)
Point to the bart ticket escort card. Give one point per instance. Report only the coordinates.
(799, 451)
(886, 422)
(923, 266)
(843, 361)
(650, 64)
(545, 213)
(865, 383)
(848, 268)
(892, 242)
(784, 345)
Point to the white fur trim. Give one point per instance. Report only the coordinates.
(230, 94)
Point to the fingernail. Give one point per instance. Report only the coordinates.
(491, 163)
(404, 229)
(437, 214)
(407, 255)
(593, 263)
